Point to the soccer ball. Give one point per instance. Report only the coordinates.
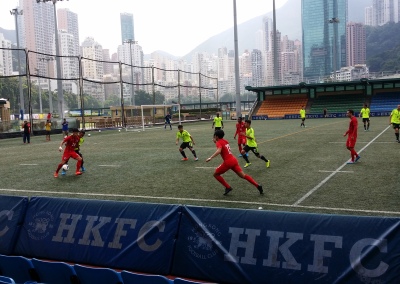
(119, 130)
(88, 135)
(65, 167)
(99, 130)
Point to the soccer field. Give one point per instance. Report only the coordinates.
(308, 170)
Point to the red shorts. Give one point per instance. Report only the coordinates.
(351, 143)
(68, 154)
(231, 164)
(241, 140)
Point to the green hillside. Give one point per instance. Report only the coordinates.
(383, 47)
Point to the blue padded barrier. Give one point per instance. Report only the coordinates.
(132, 236)
(251, 246)
(12, 213)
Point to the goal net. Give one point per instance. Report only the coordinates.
(153, 116)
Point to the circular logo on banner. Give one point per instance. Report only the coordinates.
(40, 224)
(203, 242)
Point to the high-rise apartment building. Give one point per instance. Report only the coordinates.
(355, 44)
(257, 68)
(69, 60)
(127, 32)
(5, 57)
(267, 28)
(38, 31)
(384, 11)
(270, 67)
(368, 16)
(324, 36)
(93, 68)
(68, 21)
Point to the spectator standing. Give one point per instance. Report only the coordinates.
(27, 132)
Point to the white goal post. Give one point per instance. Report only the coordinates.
(174, 108)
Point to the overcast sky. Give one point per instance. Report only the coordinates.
(174, 26)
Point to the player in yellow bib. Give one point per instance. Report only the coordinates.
(187, 141)
(364, 113)
(217, 123)
(395, 121)
(302, 116)
(251, 145)
(48, 130)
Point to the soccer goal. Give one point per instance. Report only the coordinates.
(153, 116)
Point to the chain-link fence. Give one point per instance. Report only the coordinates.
(77, 88)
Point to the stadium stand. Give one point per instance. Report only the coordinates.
(337, 103)
(183, 281)
(90, 275)
(132, 278)
(55, 272)
(384, 101)
(278, 106)
(18, 268)
(6, 280)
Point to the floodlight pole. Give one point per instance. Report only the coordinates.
(276, 74)
(48, 59)
(334, 21)
(16, 13)
(40, 92)
(237, 78)
(58, 60)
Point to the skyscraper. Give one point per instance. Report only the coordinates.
(68, 21)
(5, 57)
(368, 16)
(356, 44)
(38, 31)
(127, 27)
(324, 36)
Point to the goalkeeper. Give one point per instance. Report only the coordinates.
(168, 119)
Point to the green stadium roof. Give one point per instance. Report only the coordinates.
(363, 81)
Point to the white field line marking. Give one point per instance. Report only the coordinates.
(201, 200)
(206, 167)
(364, 142)
(113, 166)
(335, 172)
(29, 164)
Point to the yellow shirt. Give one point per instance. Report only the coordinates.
(184, 135)
(48, 126)
(395, 116)
(365, 112)
(250, 142)
(218, 121)
(302, 113)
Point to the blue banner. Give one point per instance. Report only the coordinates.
(318, 115)
(250, 246)
(133, 236)
(12, 213)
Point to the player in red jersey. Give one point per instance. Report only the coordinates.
(241, 131)
(230, 163)
(71, 142)
(352, 138)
